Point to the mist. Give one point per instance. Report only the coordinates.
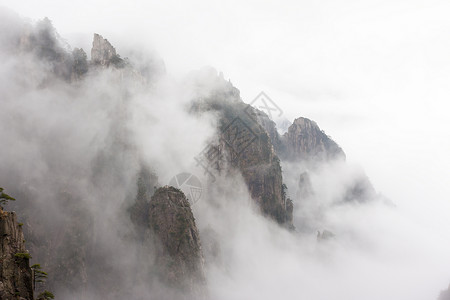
(372, 75)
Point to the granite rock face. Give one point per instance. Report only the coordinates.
(44, 42)
(271, 129)
(15, 271)
(179, 257)
(249, 150)
(244, 145)
(304, 140)
(102, 52)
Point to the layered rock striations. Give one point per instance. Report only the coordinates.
(243, 145)
(15, 271)
(102, 53)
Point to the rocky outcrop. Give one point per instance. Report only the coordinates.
(271, 129)
(244, 145)
(305, 141)
(179, 257)
(15, 271)
(44, 42)
(103, 53)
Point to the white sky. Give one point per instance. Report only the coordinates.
(373, 74)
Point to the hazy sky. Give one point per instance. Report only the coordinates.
(373, 74)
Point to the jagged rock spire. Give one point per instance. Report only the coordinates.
(102, 51)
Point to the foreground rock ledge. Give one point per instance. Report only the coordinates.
(15, 271)
(179, 256)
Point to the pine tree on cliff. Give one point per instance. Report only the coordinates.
(4, 198)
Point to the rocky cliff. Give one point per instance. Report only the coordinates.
(15, 271)
(44, 42)
(304, 140)
(102, 51)
(104, 54)
(306, 143)
(244, 145)
(179, 257)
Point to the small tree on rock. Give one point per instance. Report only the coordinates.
(4, 198)
(39, 276)
(45, 295)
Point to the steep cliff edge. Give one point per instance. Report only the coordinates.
(244, 145)
(102, 51)
(179, 257)
(304, 141)
(104, 54)
(15, 271)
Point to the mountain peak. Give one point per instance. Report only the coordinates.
(305, 140)
(102, 53)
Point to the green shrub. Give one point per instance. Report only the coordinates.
(23, 255)
(46, 295)
(4, 198)
(39, 275)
